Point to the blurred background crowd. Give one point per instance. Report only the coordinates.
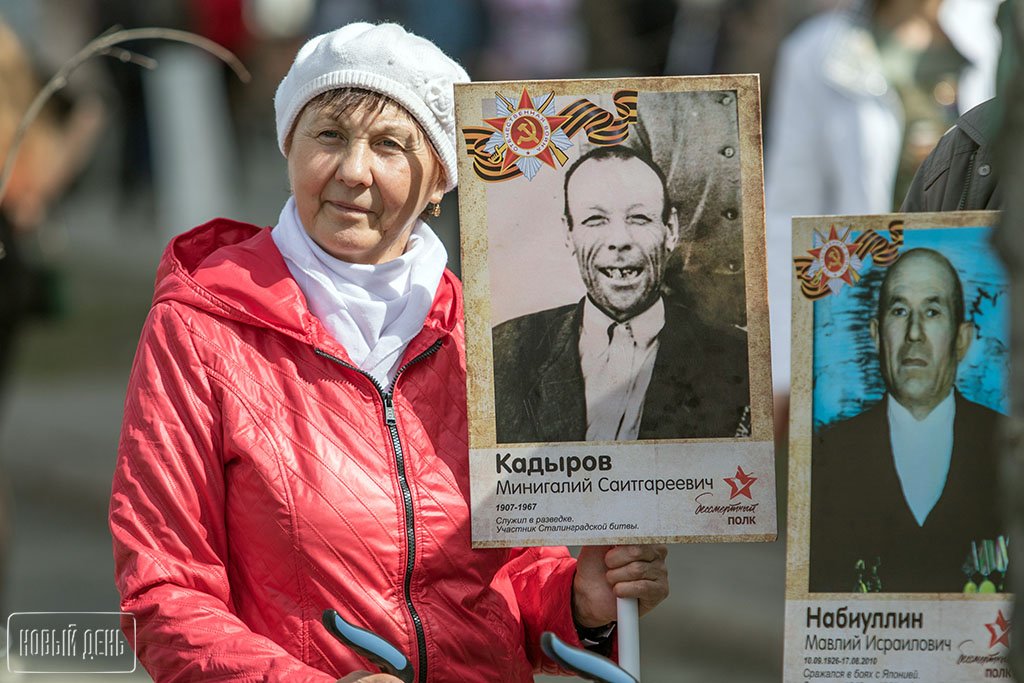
(854, 94)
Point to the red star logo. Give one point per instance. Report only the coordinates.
(999, 630)
(527, 132)
(740, 484)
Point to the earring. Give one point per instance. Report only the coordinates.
(434, 210)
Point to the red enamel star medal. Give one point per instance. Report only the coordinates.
(529, 134)
(835, 259)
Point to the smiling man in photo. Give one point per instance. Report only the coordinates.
(901, 491)
(624, 363)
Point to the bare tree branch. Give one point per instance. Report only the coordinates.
(105, 45)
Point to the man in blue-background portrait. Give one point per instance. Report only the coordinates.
(903, 492)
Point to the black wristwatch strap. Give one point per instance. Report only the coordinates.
(596, 638)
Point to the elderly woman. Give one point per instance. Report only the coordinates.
(295, 428)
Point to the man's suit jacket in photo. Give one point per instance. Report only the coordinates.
(699, 387)
(859, 512)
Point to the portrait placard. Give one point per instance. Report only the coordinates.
(897, 550)
(619, 377)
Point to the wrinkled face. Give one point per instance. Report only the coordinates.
(919, 341)
(361, 180)
(617, 234)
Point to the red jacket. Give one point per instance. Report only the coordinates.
(261, 479)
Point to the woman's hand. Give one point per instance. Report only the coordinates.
(367, 677)
(604, 573)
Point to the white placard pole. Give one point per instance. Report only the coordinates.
(628, 628)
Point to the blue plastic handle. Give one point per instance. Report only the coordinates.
(589, 665)
(370, 645)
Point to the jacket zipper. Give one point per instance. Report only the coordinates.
(391, 422)
(967, 181)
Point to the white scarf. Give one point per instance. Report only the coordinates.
(373, 311)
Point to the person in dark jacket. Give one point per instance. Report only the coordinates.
(959, 174)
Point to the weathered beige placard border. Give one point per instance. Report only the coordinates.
(476, 274)
(939, 608)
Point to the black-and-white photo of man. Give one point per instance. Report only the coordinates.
(625, 362)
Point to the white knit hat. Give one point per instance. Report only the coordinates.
(384, 58)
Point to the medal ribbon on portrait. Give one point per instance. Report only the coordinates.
(836, 259)
(523, 137)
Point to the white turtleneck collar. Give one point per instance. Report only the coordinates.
(373, 311)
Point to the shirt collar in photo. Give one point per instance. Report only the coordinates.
(645, 327)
